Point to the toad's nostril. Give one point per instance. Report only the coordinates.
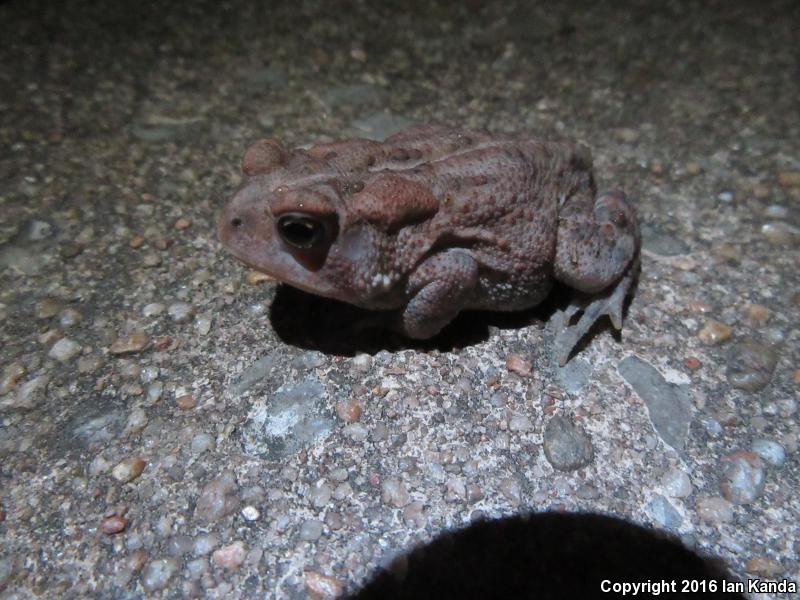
(236, 222)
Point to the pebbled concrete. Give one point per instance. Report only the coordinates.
(134, 351)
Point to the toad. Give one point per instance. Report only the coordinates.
(433, 221)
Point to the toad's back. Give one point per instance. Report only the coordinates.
(497, 197)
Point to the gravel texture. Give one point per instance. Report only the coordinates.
(174, 426)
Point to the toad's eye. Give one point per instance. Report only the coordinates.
(301, 231)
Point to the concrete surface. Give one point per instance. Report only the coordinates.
(172, 426)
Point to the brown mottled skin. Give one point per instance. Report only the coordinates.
(433, 221)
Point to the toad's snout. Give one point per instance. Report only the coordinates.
(230, 224)
(242, 224)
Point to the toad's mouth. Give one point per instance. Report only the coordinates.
(284, 269)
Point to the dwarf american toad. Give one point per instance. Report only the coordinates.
(433, 221)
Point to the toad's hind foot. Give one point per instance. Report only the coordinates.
(609, 302)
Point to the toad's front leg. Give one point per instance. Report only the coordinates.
(597, 253)
(439, 286)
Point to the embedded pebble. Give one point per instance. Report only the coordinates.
(714, 509)
(361, 362)
(668, 405)
(154, 391)
(309, 360)
(250, 513)
(130, 566)
(394, 492)
(36, 230)
(149, 373)
(474, 493)
(692, 363)
(128, 369)
(742, 477)
(356, 432)
(230, 556)
(99, 465)
(343, 491)
(196, 568)
(294, 417)
(153, 309)
(69, 317)
(574, 375)
(750, 365)
(319, 494)
(776, 211)
(26, 261)
(89, 364)
(205, 543)
(626, 134)
(157, 573)
(519, 365)
(9, 566)
(322, 586)
(135, 342)
(254, 375)
(311, 530)
(663, 513)
(694, 168)
(414, 514)
(47, 308)
(781, 233)
(64, 349)
(712, 426)
(27, 395)
(218, 499)
(180, 312)
(113, 524)
(137, 420)
(151, 259)
(203, 325)
(129, 469)
(202, 442)
(764, 566)
(520, 422)
(512, 491)
(775, 336)
(566, 446)
(789, 178)
(179, 545)
(770, 451)
(349, 411)
(12, 373)
(757, 315)
(676, 484)
(185, 402)
(70, 250)
(714, 332)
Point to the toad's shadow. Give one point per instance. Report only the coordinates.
(315, 323)
(548, 556)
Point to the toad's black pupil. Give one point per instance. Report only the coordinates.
(300, 231)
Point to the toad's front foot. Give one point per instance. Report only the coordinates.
(592, 308)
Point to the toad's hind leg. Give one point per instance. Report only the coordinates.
(596, 253)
